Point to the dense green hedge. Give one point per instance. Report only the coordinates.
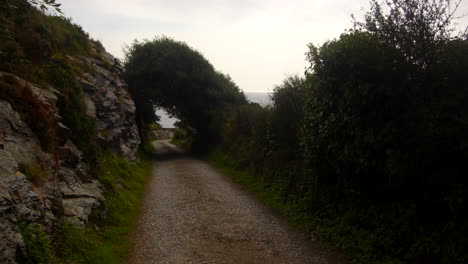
(370, 148)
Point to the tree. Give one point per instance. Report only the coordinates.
(386, 101)
(166, 73)
(356, 92)
(287, 113)
(419, 28)
(46, 4)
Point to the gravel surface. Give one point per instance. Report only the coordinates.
(191, 213)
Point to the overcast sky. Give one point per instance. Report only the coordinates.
(257, 42)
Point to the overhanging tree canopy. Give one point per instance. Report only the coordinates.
(166, 73)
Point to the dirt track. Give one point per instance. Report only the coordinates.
(193, 214)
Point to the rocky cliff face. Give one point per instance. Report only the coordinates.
(38, 186)
(108, 101)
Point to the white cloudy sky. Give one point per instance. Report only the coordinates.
(257, 42)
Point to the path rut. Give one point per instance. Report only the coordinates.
(191, 213)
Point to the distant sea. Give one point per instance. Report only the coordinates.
(261, 98)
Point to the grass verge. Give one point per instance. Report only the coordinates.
(125, 184)
(105, 240)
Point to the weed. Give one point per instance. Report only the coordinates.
(34, 173)
(38, 243)
(124, 183)
(104, 240)
(39, 115)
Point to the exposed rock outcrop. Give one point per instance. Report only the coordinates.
(39, 186)
(19, 202)
(108, 101)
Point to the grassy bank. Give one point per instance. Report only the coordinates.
(105, 240)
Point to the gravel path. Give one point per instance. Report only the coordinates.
(193, 214)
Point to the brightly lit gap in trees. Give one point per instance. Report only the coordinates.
(165, 119)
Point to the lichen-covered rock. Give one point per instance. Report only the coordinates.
(81, 193)
(108, 101)
(19, 202)
(11, 242)
(65, 189)
(41, 187)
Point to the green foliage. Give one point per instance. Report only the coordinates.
(286, 119)
(265, 141)
(46, 4)
(125, 184)
(418, 28)
(82, 126)
(370, 148)
(37, 37)
(37, 114)
(182, 138)
(59, 72)
(371, 119)
(34, 173)
(242, 129)
(74, 244)
(180, 133)
(37, 51)
(105, 239)
(380, 128)
(356, 94)
(166, 73)
(38, 243)
(381, 124)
